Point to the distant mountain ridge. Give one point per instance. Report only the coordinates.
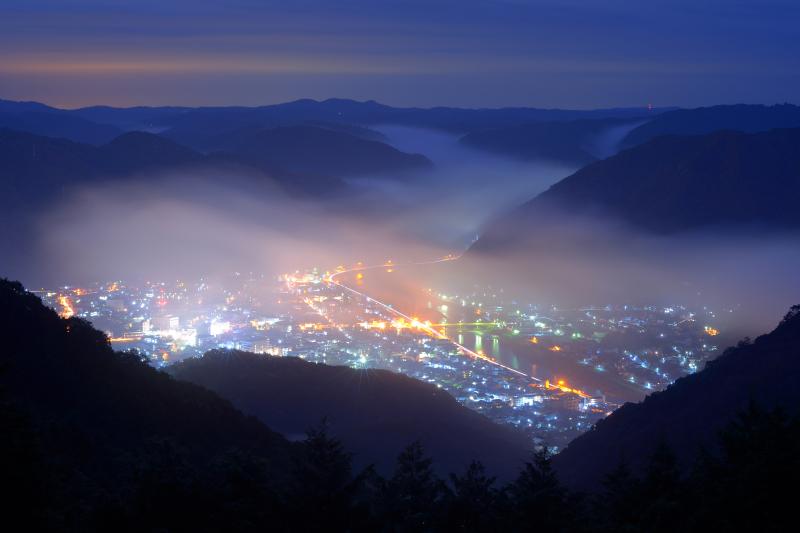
(576, 140)
(702, 120)
(38, 168)
(308, 160)
(193, 125)
(570, 141)
(322, 151)
(190, 124)
(56, 124)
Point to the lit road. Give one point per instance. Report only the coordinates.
(420, 325)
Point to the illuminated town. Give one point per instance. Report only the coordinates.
(550, 372)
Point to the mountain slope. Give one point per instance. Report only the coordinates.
(375, 413)
(741, 117)
(129, 118)
(13, 106)
(689, 414)
(109, 437)
(673, 184)
(323, 151)
(137, 151)
(575, 141)
(34, 166)
(196, 126)
(59, 124)
(35, 169)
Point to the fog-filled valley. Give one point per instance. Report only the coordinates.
(216, 219)
(182, 214)
(366, 291)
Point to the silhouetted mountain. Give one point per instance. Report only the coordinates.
(741, 117)
(137, 151)
(99, 441)
(674, 184)
(197, 127)
(375, 413)
(35, 169)
(353, 129)
(460, 120)
(130, 118)
(192, 126)
(297, 155)
(11, 106)
(573, 141)
(226, 139)
(59, 124)
(689, 414)
(109, 437)
(321, 151)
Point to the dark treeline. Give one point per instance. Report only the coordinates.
(98, 440)
(739, 489)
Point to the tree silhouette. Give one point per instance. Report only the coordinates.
(414, 494)
(473, 503)
(661, 490)
(323, 483)
(619, 505)
(538, 497)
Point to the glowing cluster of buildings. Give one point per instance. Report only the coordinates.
(469, 350)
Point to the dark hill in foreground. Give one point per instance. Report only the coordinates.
(375, 413)
(93, 437)
(689, 415)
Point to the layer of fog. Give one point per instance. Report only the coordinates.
(185, 225)
(748, 277)
(451, 204)
(608, 142)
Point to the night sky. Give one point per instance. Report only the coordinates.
(544, 53)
